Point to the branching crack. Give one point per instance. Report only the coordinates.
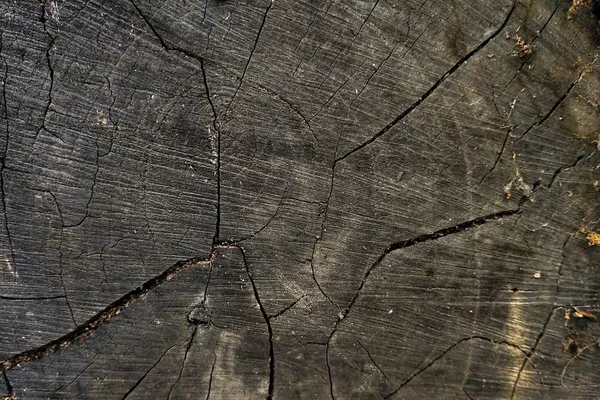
(464, 226)
(200, 59)
(429, 92)
(401, 116)
(160, 39)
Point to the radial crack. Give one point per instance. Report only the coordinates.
(104, 316)
(32, 298)
(212, 370)
(236, 242)
(335, 92)
(430, 237)
(500, 153)
(530, 353)
(44, 21)
(160, 39)
(262, 25)
(139, 381)
(293, 108)
(217, 151)
(60, 258)
(267, 322)
(4, 155)
(562, 98)
(373, 361)
(215, 126)
(373, 74)
(329, 369)
(429, 92)
(426, 367)
(185, 356)
(64, 387)
(11, 393)
(548, 318)
(435, 360)
(568, 167)
(320, 236)
(408, 243)
(464, 226)
(92, 190)
(347, 49)
(286, 309)
(110, 118)
(536, 37)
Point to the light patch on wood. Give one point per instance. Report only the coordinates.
(51, 11)
(577, 4)
(10, 267)
(593, 238)
(597, 143)
(579, 313)
(225, 382)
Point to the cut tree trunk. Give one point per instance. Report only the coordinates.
(282, 199)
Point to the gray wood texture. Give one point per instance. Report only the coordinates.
(279, 199)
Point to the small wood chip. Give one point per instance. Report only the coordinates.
(594, 238)
(524, 49)
(579, 313)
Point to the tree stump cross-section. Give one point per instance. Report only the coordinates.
(323, 199)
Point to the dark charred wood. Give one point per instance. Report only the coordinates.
(277, 199)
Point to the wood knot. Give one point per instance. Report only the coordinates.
(199, 315)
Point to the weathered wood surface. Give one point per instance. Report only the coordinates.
(324, 199)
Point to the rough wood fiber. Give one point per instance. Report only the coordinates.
(322, 199)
